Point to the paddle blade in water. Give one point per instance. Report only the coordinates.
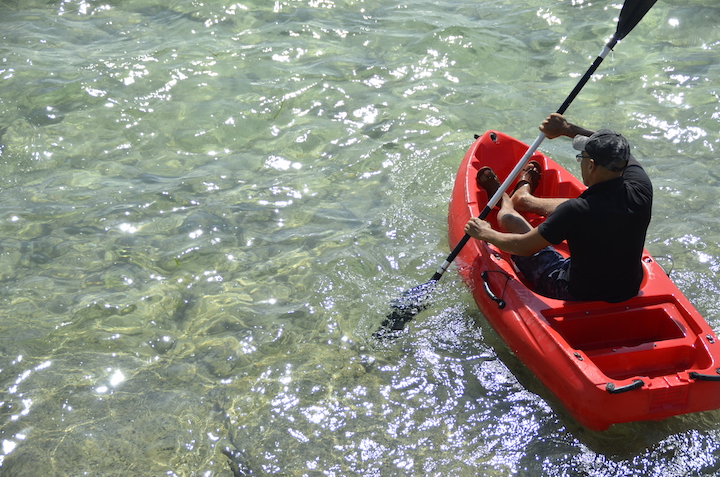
(404, 309)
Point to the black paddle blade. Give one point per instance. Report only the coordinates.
(632, 12)
(404, 309)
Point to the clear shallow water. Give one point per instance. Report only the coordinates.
(205, 210)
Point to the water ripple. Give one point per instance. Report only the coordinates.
(206, 209)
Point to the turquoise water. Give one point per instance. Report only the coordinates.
(206, 208)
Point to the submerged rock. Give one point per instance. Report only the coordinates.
(237, 462)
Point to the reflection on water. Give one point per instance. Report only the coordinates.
(205, 210)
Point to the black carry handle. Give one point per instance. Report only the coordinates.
(486, 284)
(705, 377)
(612, 389)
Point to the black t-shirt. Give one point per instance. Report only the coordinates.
(605, 230)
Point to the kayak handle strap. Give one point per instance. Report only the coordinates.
(704, 377)
(612, 389)
(486, 284)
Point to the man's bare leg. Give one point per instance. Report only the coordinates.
(510, 219)
(523, 198)
(524, 201)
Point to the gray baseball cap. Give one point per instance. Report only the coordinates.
(606, 147)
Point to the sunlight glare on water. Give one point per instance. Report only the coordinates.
(207, 208)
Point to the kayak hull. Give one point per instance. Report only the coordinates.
(647, 358)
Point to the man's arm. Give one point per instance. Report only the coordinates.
(518, 244)
(556, 125)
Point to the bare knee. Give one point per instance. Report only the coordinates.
(513, 222)
(523, 202)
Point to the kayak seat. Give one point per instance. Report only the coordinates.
(649, 359)
(650, 340)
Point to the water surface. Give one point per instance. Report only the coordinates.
(206, 208)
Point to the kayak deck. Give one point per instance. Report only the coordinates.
(646, 358)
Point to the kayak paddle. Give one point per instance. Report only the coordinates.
(415, 299)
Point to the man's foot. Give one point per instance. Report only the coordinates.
(488, 180)
(529, 178)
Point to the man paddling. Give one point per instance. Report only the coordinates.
(605, 226)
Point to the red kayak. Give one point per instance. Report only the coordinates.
(646, 358)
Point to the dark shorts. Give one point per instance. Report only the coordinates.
(547, 272)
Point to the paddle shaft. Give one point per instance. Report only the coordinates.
(524, 159)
